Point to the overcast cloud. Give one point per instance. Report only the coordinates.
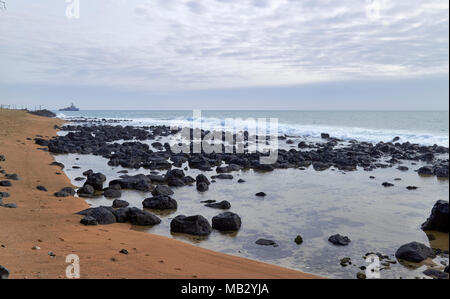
(176, 46)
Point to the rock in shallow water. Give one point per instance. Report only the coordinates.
(226, 222)
(162, 190)
(160, 202)
(223, 205)
(439, 218)
(339, 240)
(193, 225)
(414, 252)
(266, 242)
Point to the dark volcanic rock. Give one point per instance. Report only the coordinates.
(160, 202)
(202, 187)
(339, 240)
(441, 172)
(117, 204)
(223, 205)
(319, 166)
(162, 190)
(223, 177)
(96, 180)
(138, 182)
(142, 218)
(325, 136)
(10, 206)
(439, 218)
(261, 194)
(121, 214)
(12, 176)
(386, 184)
(112, 192)
(89, 220)
(201, 178)
(226, 222)
(103, 215)
(414, 252)
(436, 274)
(41, 188)
(192, 225)
(86, 191)
(265, 242)
(5, 184)
(65, 192)
(426, 170)
(4, 273)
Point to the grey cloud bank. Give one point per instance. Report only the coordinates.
(275, 54)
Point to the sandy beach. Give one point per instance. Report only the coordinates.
(49, 223)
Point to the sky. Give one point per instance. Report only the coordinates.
(226, 54)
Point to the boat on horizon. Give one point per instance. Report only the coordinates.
(70, 108)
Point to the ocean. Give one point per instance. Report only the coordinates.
(306, 202)
(421, 127)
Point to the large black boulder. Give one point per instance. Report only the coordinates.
(414, 252)
(103, 215)
(96, 180)
(86, 191)
(138, 182)
(439, 218)
(425, 170)
(160, 202)
(226, 222)
(142, 218)
(192, 225)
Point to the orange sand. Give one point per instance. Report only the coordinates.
(48, 222)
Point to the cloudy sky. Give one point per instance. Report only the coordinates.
(226, 54)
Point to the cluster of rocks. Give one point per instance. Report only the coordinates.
(7, 183)
(346, 156)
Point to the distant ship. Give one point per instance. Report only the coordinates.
(71, 108)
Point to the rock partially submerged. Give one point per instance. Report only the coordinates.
(414, 252)
(193, 225)
(339, 240)
(227, 222)
(266, 242)
(160, 202)
(223, 205)
(439, 218)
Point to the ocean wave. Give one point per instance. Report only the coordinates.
(296, 130)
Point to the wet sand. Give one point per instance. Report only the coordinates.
(48, 222)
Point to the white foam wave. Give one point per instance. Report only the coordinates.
(345, 133)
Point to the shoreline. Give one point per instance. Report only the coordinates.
(49, 223)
